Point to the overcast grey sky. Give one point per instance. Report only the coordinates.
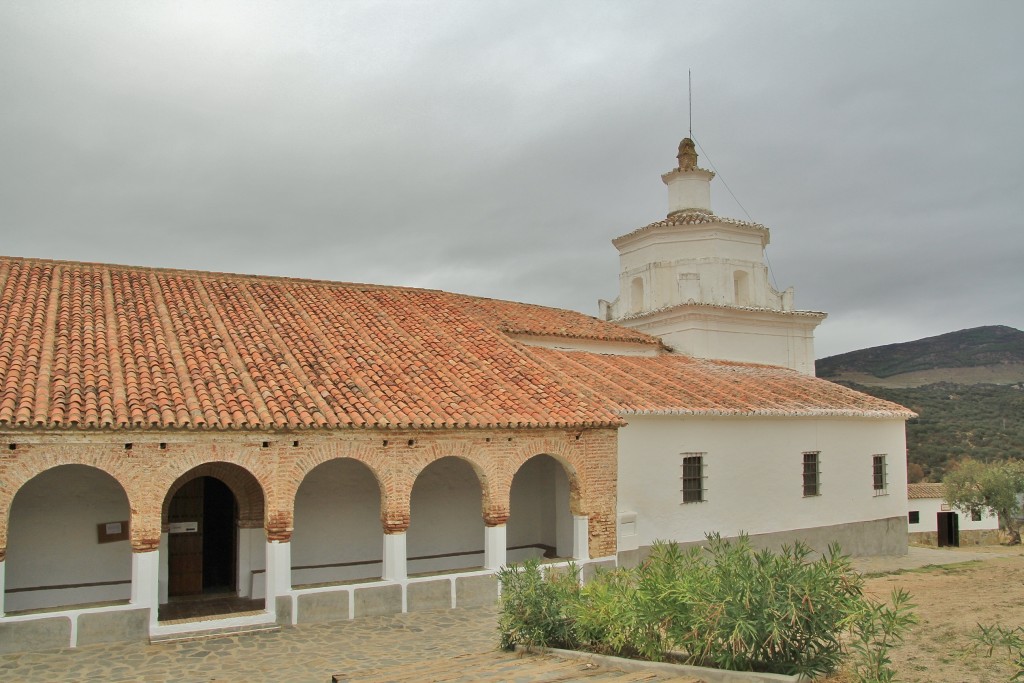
(495, 148)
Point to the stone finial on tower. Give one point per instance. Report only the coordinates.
(689, 187)
(687, 155)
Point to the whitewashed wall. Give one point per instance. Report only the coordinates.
(53, 540)
(337, 520)
(754, 475)
(445, 517)
(930, 507)
(774, 339)
(540, 513)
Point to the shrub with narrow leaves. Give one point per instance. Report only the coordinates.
(998, 637)
(535, 603)
(724, 605)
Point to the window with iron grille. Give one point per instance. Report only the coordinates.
(693, 478)
(812, 474)
(914, 516)
(879, 474)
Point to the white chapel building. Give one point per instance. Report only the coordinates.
(306, 450)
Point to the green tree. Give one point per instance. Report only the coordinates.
(997, 487)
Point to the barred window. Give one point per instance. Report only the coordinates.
(879, 474)
(693, 478)
(914, 516)
(812, 474)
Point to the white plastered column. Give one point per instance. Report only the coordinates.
(249, 541)
(146, 582)
(395, 563)
(164, 569)
(580, 537)
(3, 565)
(279, 573)
(494, 546)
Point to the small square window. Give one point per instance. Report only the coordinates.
(693, 478)
(812, 474)
(975, 515)
(879, 474)
(914, 517)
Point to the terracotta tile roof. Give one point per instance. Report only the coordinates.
(691, 217)
(673, 384)
(925, 491)
(103, 346)
(92, 345)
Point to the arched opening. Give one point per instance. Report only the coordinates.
(338, 535)
(212, 516)
(540, 522)
(202, 542)
(68, 541)
(636, 295)
(446, 526)
(741, 288)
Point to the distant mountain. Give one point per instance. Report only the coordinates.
(967, 388)
(980, 355)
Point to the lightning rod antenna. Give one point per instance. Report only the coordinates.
(689, 80)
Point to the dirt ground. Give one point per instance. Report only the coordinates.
(951, 601)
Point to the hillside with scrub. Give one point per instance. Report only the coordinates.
(973, 405)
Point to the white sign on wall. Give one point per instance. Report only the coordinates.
(183, 527)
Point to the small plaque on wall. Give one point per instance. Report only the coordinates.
(108, 532)
(183, 527)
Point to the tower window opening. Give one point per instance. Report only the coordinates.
(741, 288)
(636, 295)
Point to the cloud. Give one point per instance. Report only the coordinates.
(496, 148)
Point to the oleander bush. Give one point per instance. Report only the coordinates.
(724, 605)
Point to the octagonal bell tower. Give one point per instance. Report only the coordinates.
(700, 282)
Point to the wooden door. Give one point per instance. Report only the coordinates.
(949, 529)
(185, 548)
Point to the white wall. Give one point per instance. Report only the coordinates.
(930, 507)
(446, 517)
(337, 520)
(736, 334)
(540, 511)
(754, 474)
(53, 539)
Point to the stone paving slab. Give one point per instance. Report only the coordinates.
(499, 667)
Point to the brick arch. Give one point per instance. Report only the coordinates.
(276, 515)
(483, 467)
(575, 504)
(24, 471)
(368, 456)
(244, 486)
(566, 455)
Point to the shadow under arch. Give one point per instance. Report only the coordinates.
(446, 516)
(541, 497)
(68, 539)
(213, 518)
(338, 534)
(243, 484)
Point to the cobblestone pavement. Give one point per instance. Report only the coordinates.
(453, 645)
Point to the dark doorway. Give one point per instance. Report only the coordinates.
(949, 529)
(202, 542)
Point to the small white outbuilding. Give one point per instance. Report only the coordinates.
(933, 521)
